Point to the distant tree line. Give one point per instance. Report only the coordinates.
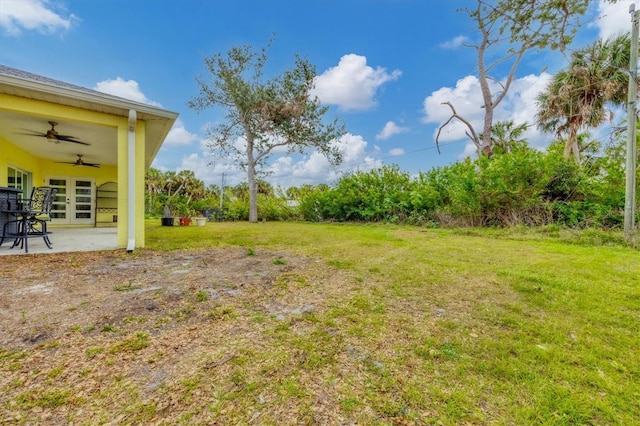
(576, 182)
(524, 186)
(181, 194)
(515, 186)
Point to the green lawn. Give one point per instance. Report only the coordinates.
(504, 327)
(295, 323)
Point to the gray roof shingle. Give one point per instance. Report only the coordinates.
(25, 75)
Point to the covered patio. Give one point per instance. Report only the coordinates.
(91, 147)
(66, 240)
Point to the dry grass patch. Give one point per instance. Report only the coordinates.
(322, 324)
(184, 336)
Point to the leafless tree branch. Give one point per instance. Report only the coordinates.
(471, 133)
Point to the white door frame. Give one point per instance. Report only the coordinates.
(75, 201)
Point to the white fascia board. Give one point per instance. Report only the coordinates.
(96, 98)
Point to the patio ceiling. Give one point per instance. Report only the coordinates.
(102, 140)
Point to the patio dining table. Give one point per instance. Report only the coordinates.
(8, 205)
(19, 217)
(15, 230)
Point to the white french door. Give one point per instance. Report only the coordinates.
(75, 200)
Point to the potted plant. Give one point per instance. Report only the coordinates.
(200, 220)
(203, 208)
(185, 214)
(167, 218)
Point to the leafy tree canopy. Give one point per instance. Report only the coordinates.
(263, 114)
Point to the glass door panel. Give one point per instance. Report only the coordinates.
(59, 208)
(19, 179)
(82, 204)
(74, 202)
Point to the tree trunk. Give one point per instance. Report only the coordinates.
(567, 148)
(576, 152)
(253, 193)
(571, 146)
(251, 177)
(485, 146)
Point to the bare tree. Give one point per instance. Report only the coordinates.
(507, 30)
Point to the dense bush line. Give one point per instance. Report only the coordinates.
(523, 187)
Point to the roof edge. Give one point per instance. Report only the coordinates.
(85, 95)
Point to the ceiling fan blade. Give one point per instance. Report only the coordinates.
(32, 133)
(53, 135)
(79, 162)
(66, 138)
(83, 164)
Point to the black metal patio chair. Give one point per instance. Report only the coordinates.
(31, 218)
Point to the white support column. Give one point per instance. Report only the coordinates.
(131, 182)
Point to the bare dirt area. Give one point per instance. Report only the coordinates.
(46, 296)
(181, 337)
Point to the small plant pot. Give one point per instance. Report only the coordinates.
(185, 221)
(167, 221)
(201, 221)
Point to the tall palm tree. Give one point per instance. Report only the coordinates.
(191, 188)
(579, 96)
(153, 183)
(172, 184)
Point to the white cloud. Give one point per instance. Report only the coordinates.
(311, 169)
(469, 151)
(209, 173)
(391, 129)
(179, 135)
(285, 170)
(353, 148)
(519, 105)
(314, 168)
(33, 15)
(613, 19)
(128, 89)
(397, 152)
(203, 168)
(455, 42)
(352, 84)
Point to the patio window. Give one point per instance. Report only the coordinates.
(20, 179)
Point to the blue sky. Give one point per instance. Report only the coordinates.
(384, 67)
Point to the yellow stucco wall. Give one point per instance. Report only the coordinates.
(12, 155)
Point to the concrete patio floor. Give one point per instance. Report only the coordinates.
(68, 240)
